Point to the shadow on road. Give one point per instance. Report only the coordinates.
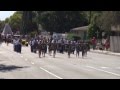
(5, 68)
(2, 60)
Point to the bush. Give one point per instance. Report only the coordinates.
(32, 34)
(71, 36)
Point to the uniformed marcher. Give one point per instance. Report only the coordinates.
(77, 49)
(40, 48)
(35, 46)
(69, 49)
(7, 39)
(19, 46)
(49, 47)
(83, 49)
(54, 48)
(14, 44)
(43, 48)
(32, 44)
(73, 47)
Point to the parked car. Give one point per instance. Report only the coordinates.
(100, 46)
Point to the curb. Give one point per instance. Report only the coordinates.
(104, 53)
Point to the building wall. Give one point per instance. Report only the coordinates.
(79, 33)
(115, 43)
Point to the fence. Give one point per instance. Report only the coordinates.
(115, 43)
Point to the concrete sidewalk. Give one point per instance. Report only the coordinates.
(105, 52)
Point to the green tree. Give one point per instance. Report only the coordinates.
(94, 31)
(94, 28)
(28, 23)
(7, 20)
(61, 21)
(15, 21)
(108, 19)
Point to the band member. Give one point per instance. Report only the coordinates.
(7, 39)
(83, 49)
(69, 49)
(35, 46)
(62, 45)
(54, 48)
(14, 44)
(45, 40)
(32, 44)
(77, 49)
(43, 48)
(19, 45)
(50, 48)
(40, 48)
(73, 47)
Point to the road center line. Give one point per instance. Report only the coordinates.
(104, 67)
(50, 73)
(117, 67)
(22, 56)
(103, 71)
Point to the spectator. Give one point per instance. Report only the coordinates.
(94, 41)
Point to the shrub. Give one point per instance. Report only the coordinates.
(32, 34)
(71, 36)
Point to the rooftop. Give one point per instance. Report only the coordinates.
(83, 28)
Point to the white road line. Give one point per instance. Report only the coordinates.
(1, 52)
(117, 67)
(104, 67)
(50, 73)
(26, 59)
(103, 71)
(32, 63)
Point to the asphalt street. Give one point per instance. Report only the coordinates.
(28, 65)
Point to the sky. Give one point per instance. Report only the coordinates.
(5, 14)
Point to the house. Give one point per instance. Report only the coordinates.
(80, 31)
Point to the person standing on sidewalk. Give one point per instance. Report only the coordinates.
(107, 45)
(94, 42)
